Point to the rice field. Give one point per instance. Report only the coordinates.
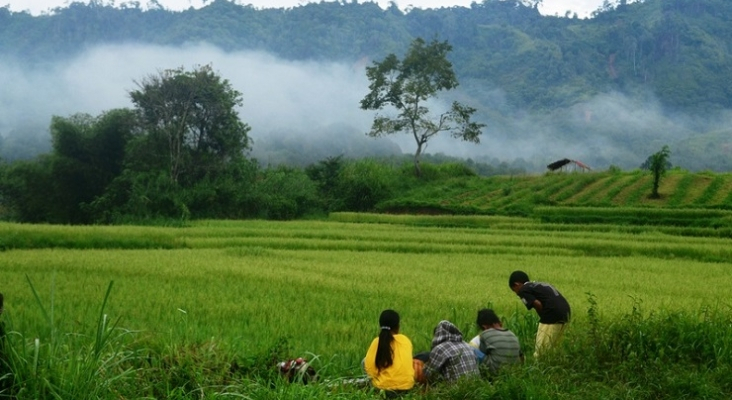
(320, 285)
(518, 195)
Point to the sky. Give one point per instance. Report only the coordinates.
(583, 8)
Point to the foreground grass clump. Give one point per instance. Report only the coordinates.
(210, 315)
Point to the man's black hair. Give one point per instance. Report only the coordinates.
(487, 317)
(517, 276)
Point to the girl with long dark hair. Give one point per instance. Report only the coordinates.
(389, 359)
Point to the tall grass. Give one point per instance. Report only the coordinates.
(637, 215)
(640, 355)
(68, 365)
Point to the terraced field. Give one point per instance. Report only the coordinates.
(518, 195)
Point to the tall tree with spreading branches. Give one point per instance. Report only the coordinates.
(406, 85)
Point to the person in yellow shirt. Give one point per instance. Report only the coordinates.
(388, 360)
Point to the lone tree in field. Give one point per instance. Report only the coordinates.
(658, 164)
(406, 85)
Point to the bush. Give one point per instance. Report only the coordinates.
(286, 193)
(325, 175)
(433, 172)
(364, 183)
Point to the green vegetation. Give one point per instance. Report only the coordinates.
(658, 164)
(637, 216)
(206, 290)
(205, 310)
(406, 85)
(41, 192)
(601, 193)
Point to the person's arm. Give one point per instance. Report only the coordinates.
(537, 306)
(530, 301)
(486, 347)
(434, 365)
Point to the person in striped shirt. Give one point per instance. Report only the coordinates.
(500, 346)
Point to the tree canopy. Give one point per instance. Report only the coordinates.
(190, 118)
(406, 85)
(658, 164)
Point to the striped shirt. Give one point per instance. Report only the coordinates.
(500, 347)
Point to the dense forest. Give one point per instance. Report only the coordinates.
(608, 90)
(676, 49)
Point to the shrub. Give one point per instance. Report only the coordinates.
(325, 175)
(286, 193)
(444, 171)
(364, 183)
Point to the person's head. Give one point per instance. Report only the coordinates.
(389, 326)
(446, 331)
(517, 280)
(487, 318)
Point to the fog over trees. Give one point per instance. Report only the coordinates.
(608, 90)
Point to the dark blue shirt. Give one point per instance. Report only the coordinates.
(554, 307)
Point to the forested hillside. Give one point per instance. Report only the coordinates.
(677, 49)
(609, 90)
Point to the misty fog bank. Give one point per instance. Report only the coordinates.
(318, 102)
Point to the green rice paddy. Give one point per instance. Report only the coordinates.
(321, 285)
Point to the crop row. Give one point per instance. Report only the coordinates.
(519, 195)
(395, 234)
(709, 218)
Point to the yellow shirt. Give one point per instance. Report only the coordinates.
(400, 374)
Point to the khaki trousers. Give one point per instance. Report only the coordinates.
(548, 336)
